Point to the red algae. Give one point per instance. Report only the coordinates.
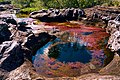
(78, 30)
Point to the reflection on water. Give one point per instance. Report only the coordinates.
(70, 52)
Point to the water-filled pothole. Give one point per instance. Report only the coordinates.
(59, 58)
(77, 51)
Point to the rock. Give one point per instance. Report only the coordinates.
(113, 25)
(5, 2)
(27, 72)
(2, 8)
(58, 15)
(11, 55)
(102, 11)
(34, 42)
(8, 18)
(3, 74)
(114, 30)
(6, 7)
(95, 76)
(113, 67)
(21, 73)
(4, 32)
(114, 41)
(11, 21)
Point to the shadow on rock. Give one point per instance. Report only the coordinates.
(4, 32)
(34, 42)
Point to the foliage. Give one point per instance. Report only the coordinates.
(41, 4)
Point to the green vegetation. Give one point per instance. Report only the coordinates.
(28, 10)
(28, 6)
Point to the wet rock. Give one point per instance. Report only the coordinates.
(5, 5)
(11, 55)
(4, 32)
(58, 15)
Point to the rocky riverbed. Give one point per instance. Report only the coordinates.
(20, 39)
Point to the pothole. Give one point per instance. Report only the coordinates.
(75, 53)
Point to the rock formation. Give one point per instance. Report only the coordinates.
(114, 29)
(58, 15)
(18, 44)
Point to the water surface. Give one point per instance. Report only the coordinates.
(81, 49)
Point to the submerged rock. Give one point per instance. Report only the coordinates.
(58, 15)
